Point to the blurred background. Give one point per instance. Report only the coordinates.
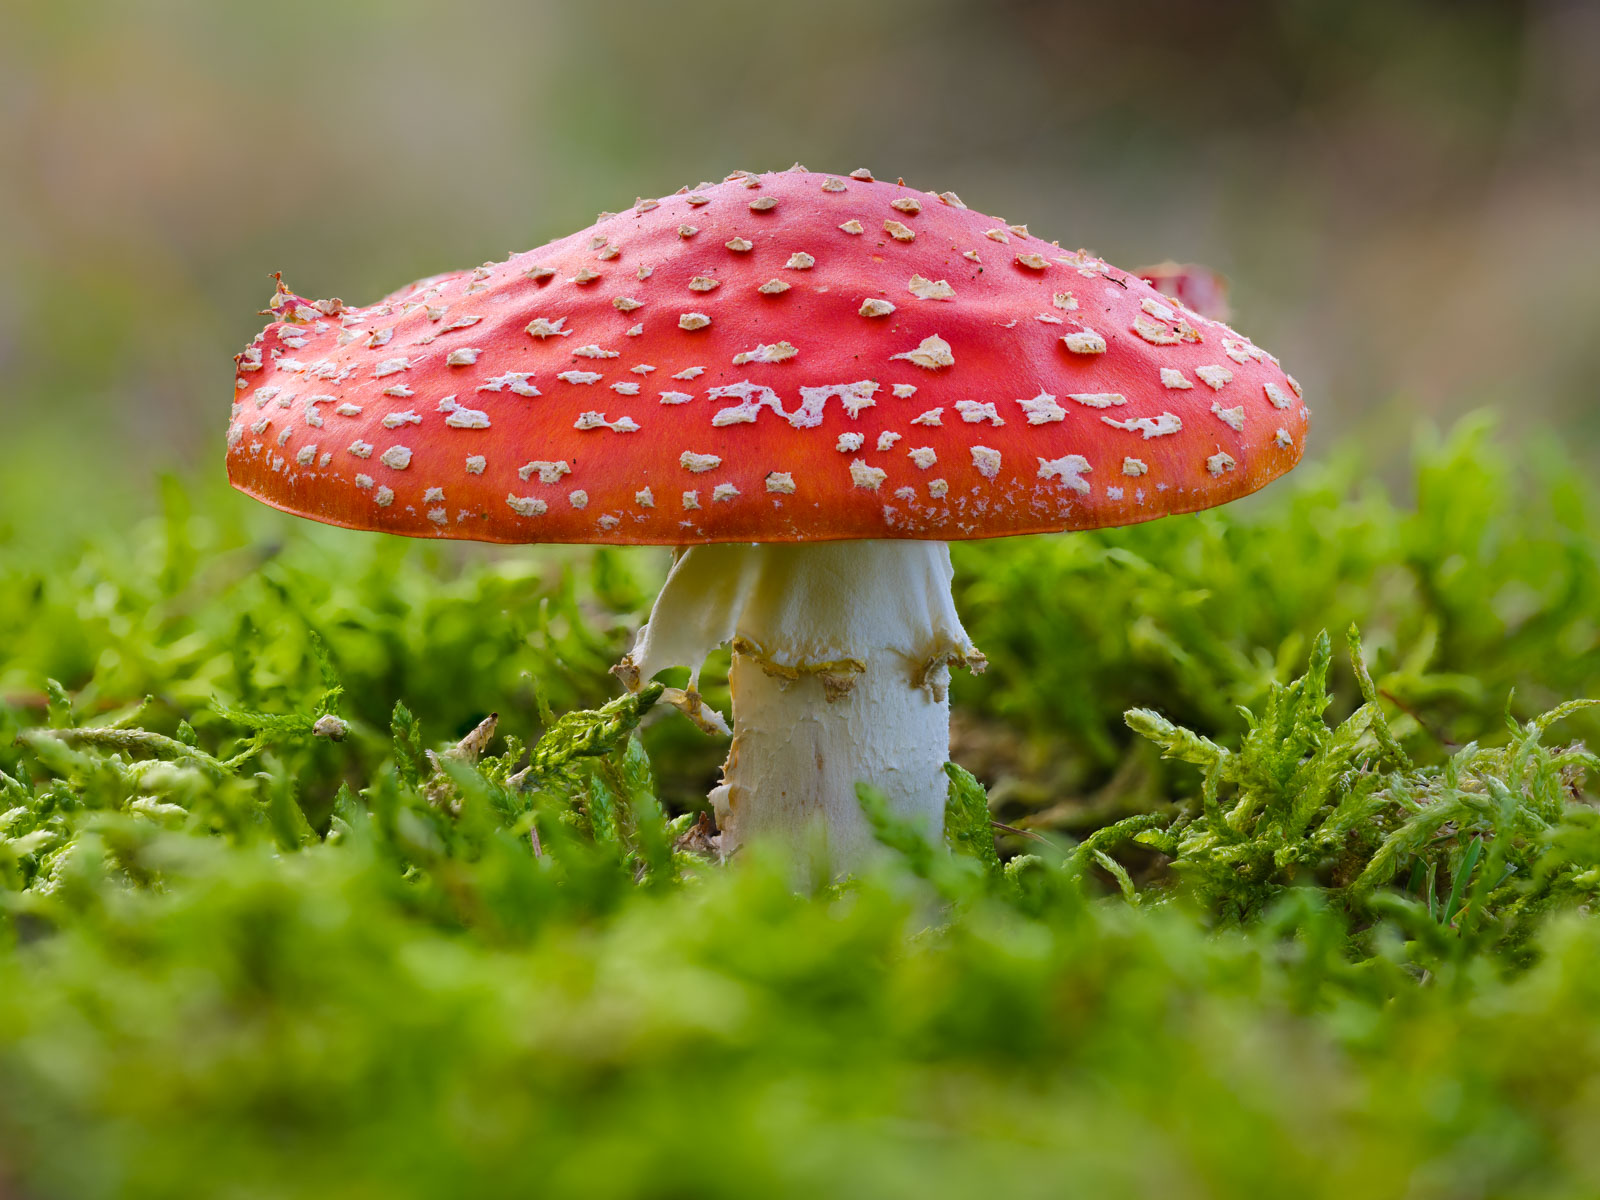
(1404, 193)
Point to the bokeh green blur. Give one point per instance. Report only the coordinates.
(1404, 193)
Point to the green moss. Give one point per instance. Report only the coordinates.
(279, 918)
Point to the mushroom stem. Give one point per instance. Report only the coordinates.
(841, 661)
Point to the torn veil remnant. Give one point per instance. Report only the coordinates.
(746, 393)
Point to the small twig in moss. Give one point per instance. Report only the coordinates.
(1027, 833)
(1422, 722)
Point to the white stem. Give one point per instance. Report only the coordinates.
(841, 660)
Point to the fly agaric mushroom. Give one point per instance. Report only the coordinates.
(808, 398)
(1201, 288)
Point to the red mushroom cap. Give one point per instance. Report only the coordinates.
(1201, 288)
(788, 357)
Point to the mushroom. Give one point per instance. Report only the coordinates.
(809, 448)
(1201, 288)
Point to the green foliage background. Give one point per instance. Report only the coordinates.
(1261, 916)
(1284, 920)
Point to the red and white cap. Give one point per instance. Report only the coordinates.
(1201, 288)
(774, 358)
